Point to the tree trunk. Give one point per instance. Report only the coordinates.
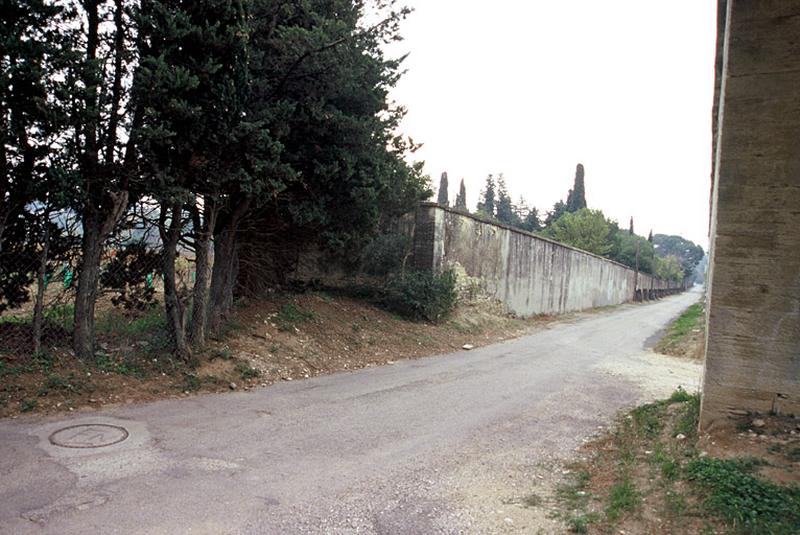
(85, 296)
(222, 278)
(175, 310)
(224, 272)
(96, 228)
(38, 309)
(204, 231)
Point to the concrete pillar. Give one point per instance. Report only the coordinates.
(753, 349)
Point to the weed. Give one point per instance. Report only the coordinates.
(752, 505)
(289, 316)
(623, 498)
(27, 405)
(224, 354)
(681, 395)
(689, 418)
(246, 371)
(648, 419)
(356, 328)
(580, 523)
(5, 369)
(793, 454)
(191, 383)
(107, 363)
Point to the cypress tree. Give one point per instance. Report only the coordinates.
(577, 195)
(630, 228)
(461, 198)
(443, 187)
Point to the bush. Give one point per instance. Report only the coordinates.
(422, 295)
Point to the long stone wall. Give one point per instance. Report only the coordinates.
(530, 274)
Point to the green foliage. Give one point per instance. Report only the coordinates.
(623, 498)
(504, 208)
(461, 198)
(290, 315)
(686, 252)
(486, 205)
(690, 319)
(668, 268)
(422, 295)
(443, 187)
(27, 405)
(585, 229)
(576, 199)
(384, 254)
(752, 505)
(246, 371)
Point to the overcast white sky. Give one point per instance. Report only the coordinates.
(530, 88)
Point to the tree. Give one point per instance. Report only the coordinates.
(192, 84)
(559, 209)
(31, 121)
(486, 205)
(321, 87)
(669, 268)
(650, 236)
(685, 251)
(585, 229)
(504, 207)
(576, 199)
(442, 199)
(461, 198)
(99, 157)
(630, 227)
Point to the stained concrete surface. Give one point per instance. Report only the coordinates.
(436, 445)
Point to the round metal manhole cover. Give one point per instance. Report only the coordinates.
(88, 436)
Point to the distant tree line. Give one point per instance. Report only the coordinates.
(238, 130)
(573, 223)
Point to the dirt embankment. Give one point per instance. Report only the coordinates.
(283, 337)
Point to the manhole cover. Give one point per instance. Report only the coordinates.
(88, 436)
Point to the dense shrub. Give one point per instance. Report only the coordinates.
(422, 295)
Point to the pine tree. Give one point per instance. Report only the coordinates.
(443, 187)
(559, 209)
(486, 205)
(461, 198)
(577, 195)
(504, 206)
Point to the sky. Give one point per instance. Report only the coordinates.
(531, 88)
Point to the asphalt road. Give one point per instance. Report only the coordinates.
(439, 445)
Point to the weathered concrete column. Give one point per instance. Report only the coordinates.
(753, 348)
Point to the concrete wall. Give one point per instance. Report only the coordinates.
(530, 274)
(753, 348)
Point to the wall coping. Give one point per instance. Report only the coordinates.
(480, 219)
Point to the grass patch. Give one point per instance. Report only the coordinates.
(693, 318)
(623, 498)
